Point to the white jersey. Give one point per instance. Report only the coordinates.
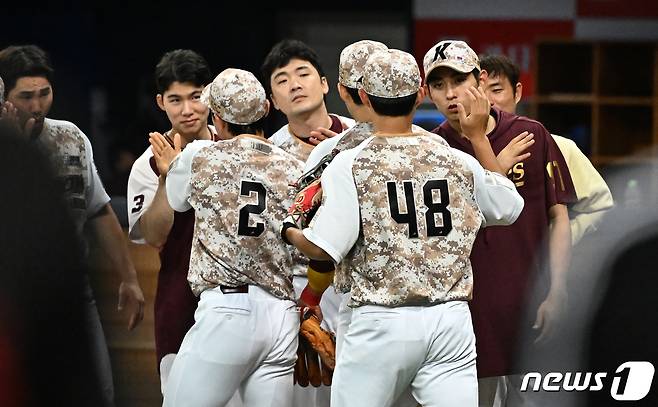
(284, 138)
(74, 162)
(142, 186)
(239, 191)
(404, 256)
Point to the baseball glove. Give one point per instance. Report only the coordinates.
(316, 355)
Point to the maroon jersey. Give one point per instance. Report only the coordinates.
(507, 260)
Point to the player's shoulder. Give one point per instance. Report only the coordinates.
(280, 136)
(509, 121)
(64, 127)
(142, 163)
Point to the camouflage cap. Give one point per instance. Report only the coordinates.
(452, 54)
(353, 59)
(2, 91)
(391, 74)
(236, 96)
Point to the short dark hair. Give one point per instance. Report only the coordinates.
(252, 128)
(500, 65)
(401, 106)
(281, 54)
(23, 60)
(181, 65)
(354, 94)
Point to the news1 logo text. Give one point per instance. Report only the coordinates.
(630, 382)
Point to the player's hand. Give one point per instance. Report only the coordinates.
(9, 116)
(514, 152)
(164, 151)
(309, 304)
(132, 298)
(548, 316)
(320, 134)
(474, 124)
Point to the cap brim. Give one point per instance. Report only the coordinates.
(451, 65)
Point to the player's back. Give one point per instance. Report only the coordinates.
(240, 192)
(419, 218)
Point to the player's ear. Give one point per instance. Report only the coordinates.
(364, 97)
(484, 75)
(420, 96)
(342, 92)
(159, 101)
(274, 104)
(518, 92)
(267, 107)
(325, 85)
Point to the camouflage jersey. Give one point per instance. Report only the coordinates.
(239, 191)
(330, 148)
(72, 158)
(402, 211)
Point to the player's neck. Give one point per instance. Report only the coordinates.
(258, 136)
(302, 125)
(392, 125)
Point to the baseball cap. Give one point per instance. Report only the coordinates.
(453, 54)
(236, 96)
(353, 59)
(391, 74)
(2, 91)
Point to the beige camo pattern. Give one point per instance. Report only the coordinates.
(353, 59)
(236, 96)
(297, 148)
(2, 91)
(352, 138)
(386, 266)
(64, 143)
(391, 74)
(220, 255)
(458, 56)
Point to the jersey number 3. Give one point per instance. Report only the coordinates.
(433, 208)
(246, 188)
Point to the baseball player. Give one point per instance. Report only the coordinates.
(507, 258)
(501, 83)
(500, 79)
(296, 85)
(27, 73)
(180, 77)
(246, 324)
(404, 209)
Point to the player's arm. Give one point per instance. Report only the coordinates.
(496, 196)
(110, 237)
(157, 220)
(308, 248)
(106, 228)
(559, 256)
(560, 192)
(474, 128)
(178, 185)
(593, 194)
(335, 226)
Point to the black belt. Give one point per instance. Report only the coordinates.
(241, 289)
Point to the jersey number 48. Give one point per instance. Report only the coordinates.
(433, 208)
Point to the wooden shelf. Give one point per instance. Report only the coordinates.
(566, 98)
(625, 100)
(605, 98)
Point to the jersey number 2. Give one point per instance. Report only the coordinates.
(246, 188)
(433, 208)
